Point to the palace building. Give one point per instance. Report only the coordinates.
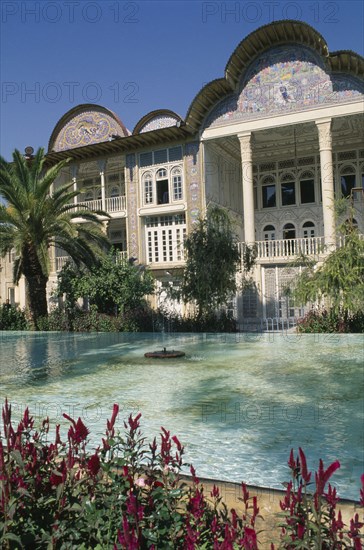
(274, 141)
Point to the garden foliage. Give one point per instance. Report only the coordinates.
(12, 318)
(212, 261)
(127, 494)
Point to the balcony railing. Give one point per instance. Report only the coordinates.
(62, 260)
(92, 205)
(288, 248)
(115, 204)
(112, 204)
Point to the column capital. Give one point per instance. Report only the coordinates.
(245, 140)
(324, 133)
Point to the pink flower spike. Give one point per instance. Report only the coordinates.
(306, 476)
(362, 491)
(115, 412)
(291, 461)
(134, 422)
(330, 470)
(177, 442)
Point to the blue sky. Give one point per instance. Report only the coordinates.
(135, 56)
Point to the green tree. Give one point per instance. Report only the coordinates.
(33, 219)
(339, 281)
(212, 260)
(111, 285)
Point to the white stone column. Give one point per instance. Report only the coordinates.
(74, 171)
(248, 191)
(327, 181)
(102, 166)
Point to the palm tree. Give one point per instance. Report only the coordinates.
(33, 218)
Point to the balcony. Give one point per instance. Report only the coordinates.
(112, 204)
(285, 249)
(62, 260)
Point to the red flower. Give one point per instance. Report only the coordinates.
(194, 477)
(134, 422)
(300, 531)
(323, 476)
(93, 464)
(331, 496)
(250, 539)
(111, 422)
(362, 491)
(306, 476)
(78, 431)
(215, 493)
(177, 442)
(58, 476)
(291, 461)
(245, 492)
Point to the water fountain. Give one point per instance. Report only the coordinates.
(238, 402)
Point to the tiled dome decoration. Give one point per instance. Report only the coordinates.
(158, 122)
(285, 79)
(87, 127)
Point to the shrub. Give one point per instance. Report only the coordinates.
(126, 494)
(209, 322)
(12, 318)
(311, 520)
(322, 320)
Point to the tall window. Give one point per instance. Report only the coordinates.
(177, 183)
(289, 231)
(288, 190)
(307, 188)
(148, 188)
(164, 238)
(347, 180)
(163, 186)
(268, 192)
(269, 232)
(308, 229)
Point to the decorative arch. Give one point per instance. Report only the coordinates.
(85, 125)
(272, 62)
(155, 120)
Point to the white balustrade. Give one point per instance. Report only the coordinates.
(287, 248)
(61, 262)
(116, 204)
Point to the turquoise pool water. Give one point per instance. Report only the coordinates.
(237, 402)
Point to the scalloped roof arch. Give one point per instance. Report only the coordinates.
(85, 124)
(161, 118)
(274, 34)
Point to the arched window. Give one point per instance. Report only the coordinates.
(288, 189)
(308, 229)
(177, 184)
(269, 233)
(307, 187)
(269, 192)
(289, 231)
(347, 180)
(162, 186)
(148, 188)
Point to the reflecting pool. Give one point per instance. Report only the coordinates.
(238, 402)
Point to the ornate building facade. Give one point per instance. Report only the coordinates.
(274, 141)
